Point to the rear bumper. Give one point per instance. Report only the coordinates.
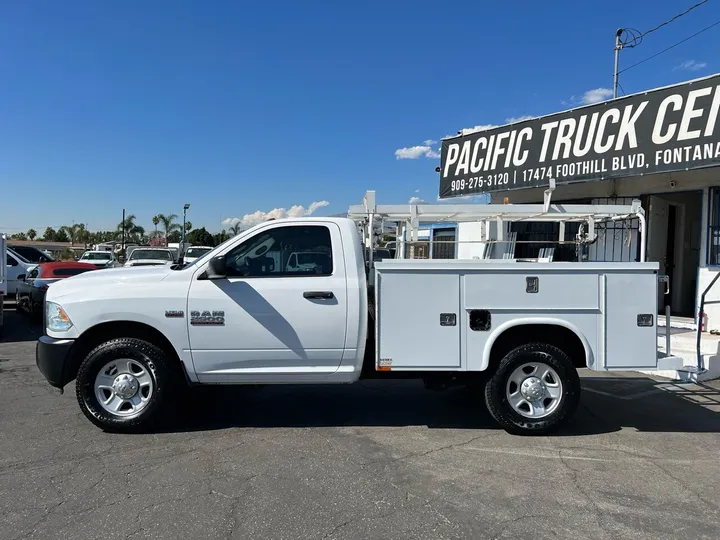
(51, 356)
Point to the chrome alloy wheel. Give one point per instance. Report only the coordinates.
(124, 387)
(534, 390)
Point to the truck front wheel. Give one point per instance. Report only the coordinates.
(123, 384)
(534, 390)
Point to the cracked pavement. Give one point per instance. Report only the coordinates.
(385, 459)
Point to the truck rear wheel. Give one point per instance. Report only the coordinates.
(123, 384)
(534, 391)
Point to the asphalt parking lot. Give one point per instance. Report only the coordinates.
(373, 460)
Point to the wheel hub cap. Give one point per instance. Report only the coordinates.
(125, 386)
(532, 388)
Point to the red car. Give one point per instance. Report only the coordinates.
(31, 289)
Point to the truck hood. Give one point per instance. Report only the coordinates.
(107, 278)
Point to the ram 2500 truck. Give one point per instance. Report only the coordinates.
(243, 314)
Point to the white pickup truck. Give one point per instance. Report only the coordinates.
(243, 314)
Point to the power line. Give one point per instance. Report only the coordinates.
(659, 26)
(670, 47)
(633, 37)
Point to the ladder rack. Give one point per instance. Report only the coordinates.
(408, 218)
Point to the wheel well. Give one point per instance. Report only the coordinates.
(558, 336)
(103, 332)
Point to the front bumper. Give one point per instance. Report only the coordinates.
(51, 356)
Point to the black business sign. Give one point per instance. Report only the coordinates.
(669, 129)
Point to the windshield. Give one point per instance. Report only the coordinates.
(19, 257)
(196, 251)
(151, 254)
(96, 256)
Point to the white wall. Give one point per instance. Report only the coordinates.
(470, 236)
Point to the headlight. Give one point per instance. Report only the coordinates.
(56, 320)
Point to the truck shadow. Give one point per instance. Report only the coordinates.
(608, 405)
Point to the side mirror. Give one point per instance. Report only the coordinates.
(217, 269)
(21, 277)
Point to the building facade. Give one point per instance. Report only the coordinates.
(683, 231)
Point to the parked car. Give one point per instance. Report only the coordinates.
(150, 257)
(17, 267)
(195, 252)
(31, 289)
(101, 259)
(32, 254)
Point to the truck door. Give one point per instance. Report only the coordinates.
(268, 318)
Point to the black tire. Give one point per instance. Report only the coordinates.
(161, 369)
(496, 395)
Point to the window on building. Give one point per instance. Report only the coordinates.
(443, 243)
(714, 228)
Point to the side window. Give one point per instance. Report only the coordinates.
(283, 251)
(10, 261)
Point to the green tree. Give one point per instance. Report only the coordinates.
(200, 237)
(133, 231)
(220, 237)
(18, 236)
(31, 234)
(174, 236)
(155, 221)
(77, 233)
(49, 234)
(61, 236)
(188, 226)
(169, 226)
(236, 228)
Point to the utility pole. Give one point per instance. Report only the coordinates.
(618, 48)
(122, 251)
(181, 254)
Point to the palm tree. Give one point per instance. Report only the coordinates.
(236, 228)
(188, 226)
(133, 231)
(168, 224)
(31, 234)
(74, 232)
(155, 221)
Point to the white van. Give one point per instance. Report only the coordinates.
(16, 268)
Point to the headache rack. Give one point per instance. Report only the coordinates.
(372, 220)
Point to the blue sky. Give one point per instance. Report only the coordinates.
(240, 107)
